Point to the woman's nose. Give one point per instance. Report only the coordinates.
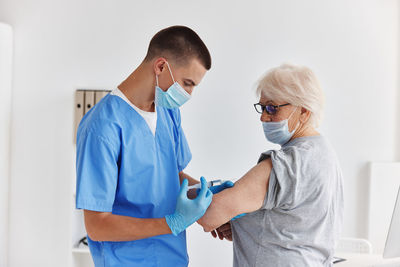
(265, 117)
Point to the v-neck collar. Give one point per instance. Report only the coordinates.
(125, 100)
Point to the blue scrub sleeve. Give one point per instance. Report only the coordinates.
(97, 173)
(183, 154)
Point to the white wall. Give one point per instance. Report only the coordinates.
(398, 91)
(5, 125)
(64, 45)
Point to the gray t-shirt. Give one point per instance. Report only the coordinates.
(301, 217)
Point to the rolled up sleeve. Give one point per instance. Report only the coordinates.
(284, 182)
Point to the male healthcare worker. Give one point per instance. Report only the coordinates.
(131, 153)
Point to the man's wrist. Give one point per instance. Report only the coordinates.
(175, 223)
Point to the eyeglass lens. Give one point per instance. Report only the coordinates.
(270, 109)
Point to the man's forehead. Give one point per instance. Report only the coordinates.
(194, 70)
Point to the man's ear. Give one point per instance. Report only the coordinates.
(304, 115)
(159, 65)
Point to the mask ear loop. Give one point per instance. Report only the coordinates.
(170, 71)
(297, 125)
(292, 113)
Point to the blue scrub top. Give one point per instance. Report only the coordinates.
(124, 169)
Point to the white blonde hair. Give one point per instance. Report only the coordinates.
(296, 85)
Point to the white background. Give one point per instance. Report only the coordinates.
(60, 46)
(5, 120)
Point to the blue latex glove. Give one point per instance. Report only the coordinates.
(238, 216)
(218, 188)
(187, 211)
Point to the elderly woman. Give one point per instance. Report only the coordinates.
(293, 197)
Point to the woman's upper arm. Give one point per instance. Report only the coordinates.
(246, 196)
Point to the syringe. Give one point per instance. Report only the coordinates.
(209, 184)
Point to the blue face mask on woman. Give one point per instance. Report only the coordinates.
(174, 97)
(278, 132)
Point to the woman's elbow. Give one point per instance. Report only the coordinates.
(208, 228)
(206, 224)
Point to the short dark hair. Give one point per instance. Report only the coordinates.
(179, 43)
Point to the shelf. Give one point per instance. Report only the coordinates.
(81, 250)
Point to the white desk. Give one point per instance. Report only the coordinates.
(366, 260)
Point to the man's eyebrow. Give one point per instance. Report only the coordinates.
(190, 81)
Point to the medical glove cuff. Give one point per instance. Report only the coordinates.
(238, 216)
(176, 223)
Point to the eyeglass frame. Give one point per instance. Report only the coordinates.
(264, 108)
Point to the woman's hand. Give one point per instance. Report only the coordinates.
(224, 231)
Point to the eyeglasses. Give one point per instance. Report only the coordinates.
(270, 109)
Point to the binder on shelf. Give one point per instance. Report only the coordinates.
(79, 109)
(99, 95)
(84, 101)
(89, 100)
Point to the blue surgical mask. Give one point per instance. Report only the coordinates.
(278, 132)
(174, 97)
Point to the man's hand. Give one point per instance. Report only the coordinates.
(224, 231)
(188, 211)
